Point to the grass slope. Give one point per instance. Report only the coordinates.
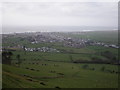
(74, 76)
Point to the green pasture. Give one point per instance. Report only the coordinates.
(74, 75)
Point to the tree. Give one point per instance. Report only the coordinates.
(24, 49)
(85, 66)
(6, 57)
(18, 58)
(71, 58)
(103, 68)
(111, 56)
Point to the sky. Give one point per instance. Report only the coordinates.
(54, 13)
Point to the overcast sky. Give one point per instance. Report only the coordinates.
(60, 13)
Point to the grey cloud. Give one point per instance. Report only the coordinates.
(54, 13)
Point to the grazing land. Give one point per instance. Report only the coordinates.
(60, 60)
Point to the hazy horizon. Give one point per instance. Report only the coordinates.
(23, 16)
(23, 29)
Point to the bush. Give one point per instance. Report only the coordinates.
(6, 57)
(85, 66)
(103, 68)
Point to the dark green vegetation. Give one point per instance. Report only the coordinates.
(88, 67)
(88, 54)
(0, 76)
(6, 57)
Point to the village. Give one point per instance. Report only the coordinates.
(42, 49)
(66, 41)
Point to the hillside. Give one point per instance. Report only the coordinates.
(60, 60)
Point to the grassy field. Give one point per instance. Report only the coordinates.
(59, 74)
(86, 54)
(59, 70)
